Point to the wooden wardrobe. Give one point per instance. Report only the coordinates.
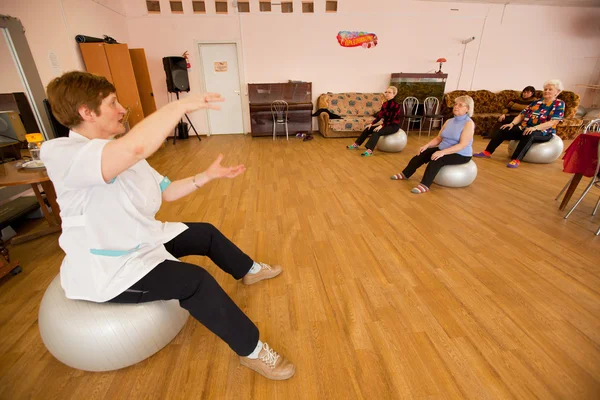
(114, 62)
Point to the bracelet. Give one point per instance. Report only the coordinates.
(194, 182)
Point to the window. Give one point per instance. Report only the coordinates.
(221, 7)
(308, 7)
(287, 7)
(153, 7)
(330, 6)
(243, 6)
(265, 6)
(199, 7)
(176, 7)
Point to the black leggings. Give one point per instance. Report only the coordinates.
(197, 291)
(384, 131)
(433, 167)
(515, 133)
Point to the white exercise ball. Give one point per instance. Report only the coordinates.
(540, 153)
(460, 175)
(393, 143)
(105, 336)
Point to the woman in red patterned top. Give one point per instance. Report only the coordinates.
(536, 123)
(389, 115)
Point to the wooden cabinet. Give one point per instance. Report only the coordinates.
(142, 77)
(114, 62)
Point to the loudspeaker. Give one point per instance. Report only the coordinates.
(177, 75)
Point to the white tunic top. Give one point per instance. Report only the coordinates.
(109, 233)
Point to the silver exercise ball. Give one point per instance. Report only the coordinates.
(540, 153)
(105, 336)
(460, 175)
(393, 143)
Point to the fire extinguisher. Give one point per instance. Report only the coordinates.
(187, 59)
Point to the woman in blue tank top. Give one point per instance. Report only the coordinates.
(451, 147)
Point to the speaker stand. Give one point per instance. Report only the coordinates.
(181, 126)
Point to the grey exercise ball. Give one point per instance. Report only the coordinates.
(393, 143)
(540, 153)
(105, 336)
(460, 175)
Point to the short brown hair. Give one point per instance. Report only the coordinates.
(74, 89)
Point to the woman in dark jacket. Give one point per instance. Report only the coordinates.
(512, 109)
(389, 115)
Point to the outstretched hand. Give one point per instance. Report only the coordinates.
(195, 102)
(216, 170)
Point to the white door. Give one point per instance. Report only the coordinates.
(221, 75)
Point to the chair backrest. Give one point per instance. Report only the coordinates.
(592, 127)
(431, 105)
(279, 110)
(410, 106)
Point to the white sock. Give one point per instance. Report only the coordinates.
(256, 267)
(254, 354)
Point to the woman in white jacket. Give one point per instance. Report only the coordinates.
(116, 251)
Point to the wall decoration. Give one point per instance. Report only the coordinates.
(220, 66)
(356, 39)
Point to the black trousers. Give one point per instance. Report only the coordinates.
(433, 167)
(197, 291)
(507, 120)
(384, 131)
(515, 133)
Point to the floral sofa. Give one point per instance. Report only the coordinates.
(356, 110)
(488, 107)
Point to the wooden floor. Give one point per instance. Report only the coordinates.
(481, 292)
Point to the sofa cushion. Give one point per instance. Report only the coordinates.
(353, 104)
(571, 122)
(350, 124)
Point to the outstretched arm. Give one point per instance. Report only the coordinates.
(147, 136)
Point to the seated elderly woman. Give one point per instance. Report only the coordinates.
(452, 146)
(389, 115)
(536, 123)
(513, 108)
(115, 249)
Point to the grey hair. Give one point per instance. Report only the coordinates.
(557, 83)
(468, 100)
(394, 89)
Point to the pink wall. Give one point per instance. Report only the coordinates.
(412, 35)
(51, 26)
(9, 77)
(515, 45)
(171, 35)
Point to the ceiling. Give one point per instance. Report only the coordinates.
(560, 3)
